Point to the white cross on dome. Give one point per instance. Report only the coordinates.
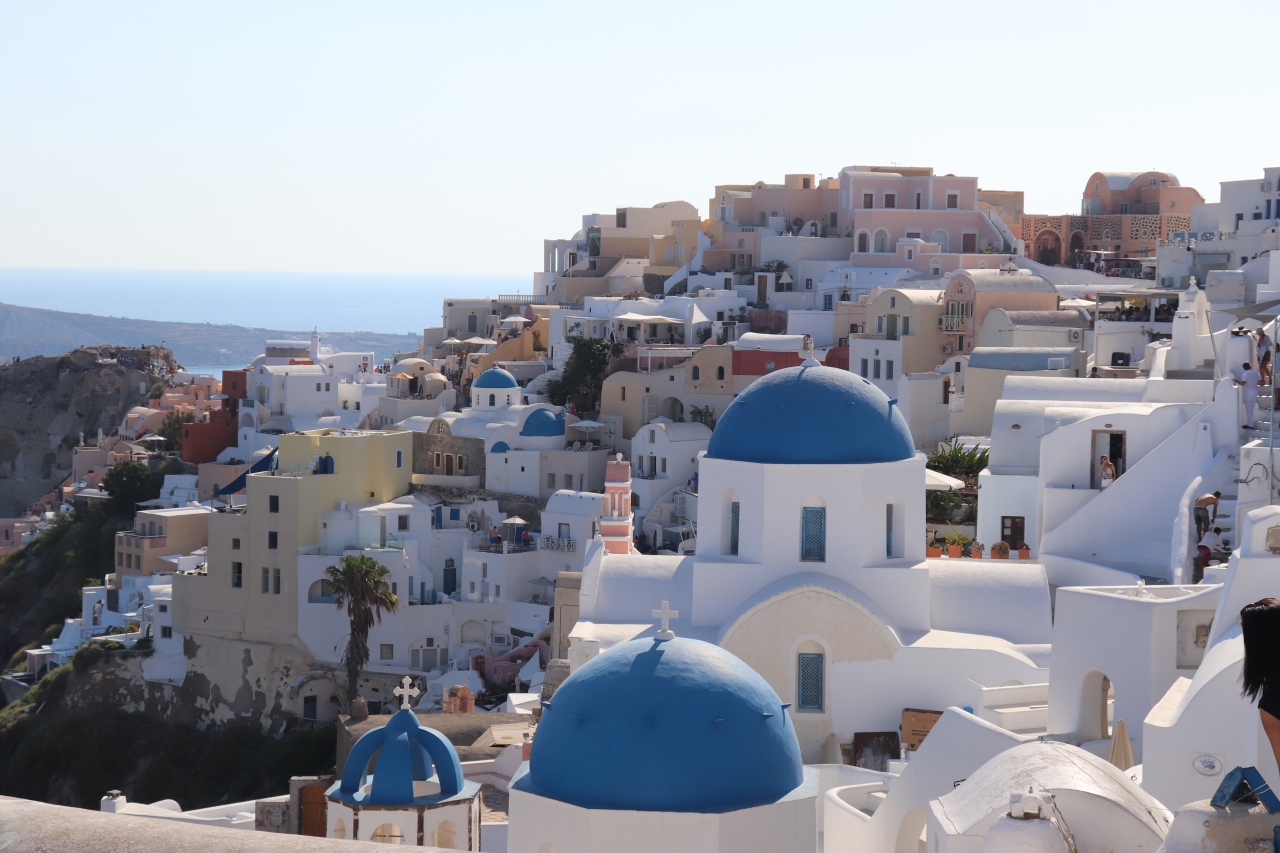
(666, 614)
(406, 691)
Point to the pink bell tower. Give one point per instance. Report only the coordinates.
(615, 526)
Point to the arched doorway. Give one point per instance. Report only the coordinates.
(387, 833)
(445, 836)
(943, 239)
(882, 241)
(673, 409)
(1077, 245)
(911, 832)
(1097, 698)
(1049, 248)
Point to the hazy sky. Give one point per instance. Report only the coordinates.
(451, 138)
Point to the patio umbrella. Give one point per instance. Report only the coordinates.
(451, 341)
(219, 397)
(152, 438)
(514, 519)
(935, 480)
(588, 425)
(1121, 751)
(516, 318)
(479, 341)
(542, 582)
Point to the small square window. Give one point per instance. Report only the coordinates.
(166, 632)
(402, 522)
(235, 544)
(386, 651)
(163, 608)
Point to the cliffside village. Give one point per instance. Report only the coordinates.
(710, 591)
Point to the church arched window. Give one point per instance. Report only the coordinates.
(493, 400)
(813, 534)
(696, 373)
(720, 373)
(810, 662)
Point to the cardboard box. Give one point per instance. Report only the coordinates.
(916, 725)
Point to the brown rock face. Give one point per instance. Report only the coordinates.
(45, 403)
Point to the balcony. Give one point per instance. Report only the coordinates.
(955, 323)
(140, 540)
(550, 543)
(504, 547)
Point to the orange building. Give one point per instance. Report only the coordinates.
(1123, 217)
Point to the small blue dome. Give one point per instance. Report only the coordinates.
(499, 447)
(406, 752)
(812, 415)
(543, 423)
(669, 726)
(496, 377)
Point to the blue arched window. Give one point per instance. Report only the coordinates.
(696, 373)
(493, 401)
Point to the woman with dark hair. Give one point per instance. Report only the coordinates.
(1260, 628)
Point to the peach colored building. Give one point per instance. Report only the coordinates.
(13, 532)
(159, 533)
(1123, 216)
(615, 525)
(970, 294)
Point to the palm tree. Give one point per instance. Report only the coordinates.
(360, 583)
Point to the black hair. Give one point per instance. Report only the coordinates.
(1260, 628)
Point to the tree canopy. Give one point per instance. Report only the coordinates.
(129, 484)
(584, 370)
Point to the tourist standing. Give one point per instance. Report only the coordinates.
(1106, 472)
(1249, 380)
(1260, 630)
(1201, 512)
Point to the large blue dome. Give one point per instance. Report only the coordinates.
(495, 377)
(812, 415)
(543, 424)
(672, 726)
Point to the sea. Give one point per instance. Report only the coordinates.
(330, 302)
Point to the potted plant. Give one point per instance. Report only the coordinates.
(975, 550)
(931, 549)
(1024, 551)
(956, 542)
(1000, 551)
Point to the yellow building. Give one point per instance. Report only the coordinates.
(250, 590)
(630, 400)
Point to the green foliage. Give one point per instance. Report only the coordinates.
(112, 646)
(1000, 549)
(129, 484)
(51, 633)
(86, 656)
(955, 537)
(144, 644)
(956, 460)
(49, 689)
(40, 582)
(359, 583)
(74, 759)
(172, 465)
(157, 390)
(171, 429)
(584, 370)
(940, 503)
(91, 582)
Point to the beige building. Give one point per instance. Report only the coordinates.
(903, 336)
(160, 533)
(250, 590)
(970, 294)
(630, 400)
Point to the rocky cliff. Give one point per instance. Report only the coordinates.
(45, 403)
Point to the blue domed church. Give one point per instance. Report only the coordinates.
(403, 784)
(667, 739)
(810, 568)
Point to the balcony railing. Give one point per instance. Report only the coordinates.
(506, 547)
(550, 543)
(955, 322)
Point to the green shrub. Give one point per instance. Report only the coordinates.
(112, 646)
(86, 656)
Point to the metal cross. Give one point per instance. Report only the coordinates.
(406, 691)
(665, 614)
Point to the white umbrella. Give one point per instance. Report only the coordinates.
(451, 341)
(514, 519)
(219, 397)
(479, 341)
(152, 438)
(516, 318)
(935, 480)
(588, 425)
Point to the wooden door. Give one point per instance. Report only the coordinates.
(313, 806)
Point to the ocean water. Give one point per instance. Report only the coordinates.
(331, 302)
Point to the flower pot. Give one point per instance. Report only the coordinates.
(932, 552)
(996, 555)
(954, 550)
(1024, 553)
(975, 553)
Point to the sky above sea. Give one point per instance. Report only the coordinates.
(331, 302)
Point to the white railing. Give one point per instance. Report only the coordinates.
(550, 543)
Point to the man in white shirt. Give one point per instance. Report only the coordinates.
(1249, 380)
(1213, 541)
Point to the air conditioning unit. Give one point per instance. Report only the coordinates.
(472, 526)
(946, 348)
(1075, 334)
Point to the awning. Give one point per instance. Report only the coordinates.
(646, 318)
(941, 482)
